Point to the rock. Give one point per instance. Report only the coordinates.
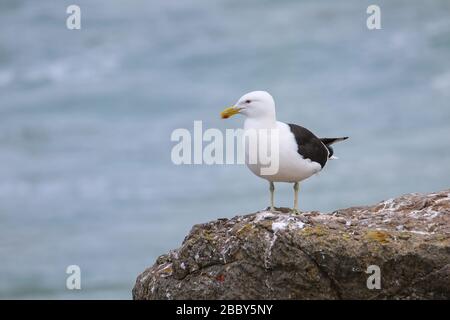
(278, 255)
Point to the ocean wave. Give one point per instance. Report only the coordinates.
(73, 69)
(6, 78)
(441, 83)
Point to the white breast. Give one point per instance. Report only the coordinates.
(292, 166)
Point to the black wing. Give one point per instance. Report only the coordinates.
(309, 146)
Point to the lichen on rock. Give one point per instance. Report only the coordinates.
(278, 255)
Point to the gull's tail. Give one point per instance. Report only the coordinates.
(328, 142)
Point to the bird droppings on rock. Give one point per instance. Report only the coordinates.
(278, 255)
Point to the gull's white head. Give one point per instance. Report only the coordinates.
(255, 104)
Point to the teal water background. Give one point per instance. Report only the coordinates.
(86, 116)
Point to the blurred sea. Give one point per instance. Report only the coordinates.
(86, 117)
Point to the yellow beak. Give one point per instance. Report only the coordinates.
(228, 112)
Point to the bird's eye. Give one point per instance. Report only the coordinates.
(248, 101)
